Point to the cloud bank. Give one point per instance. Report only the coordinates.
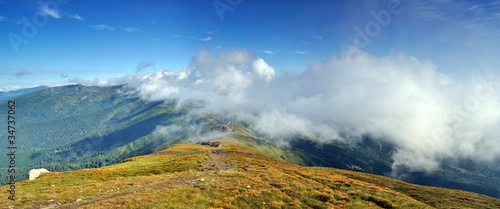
(396, 98)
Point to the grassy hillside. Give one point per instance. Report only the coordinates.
(228, 175)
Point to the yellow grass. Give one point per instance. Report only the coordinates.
(232, 175)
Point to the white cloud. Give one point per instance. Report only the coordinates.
(45, 10)
(206, 39)
(211, 32)
(2, 18)
(131, 29)
(102, 27)
(10, 88)
(302, 52)
(268, 52)
(76, 16)
(397, 98)
(318, 37)
(262, 69)
(176, 36)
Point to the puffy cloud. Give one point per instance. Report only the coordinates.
(396, 98)
(262, 69)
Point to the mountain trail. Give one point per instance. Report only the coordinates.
(216, 160)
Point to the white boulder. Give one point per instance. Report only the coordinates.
(34, 173)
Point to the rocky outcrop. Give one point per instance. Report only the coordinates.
(34, 173)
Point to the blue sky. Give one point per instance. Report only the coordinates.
(103, 39)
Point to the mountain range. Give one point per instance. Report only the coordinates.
(107, 137)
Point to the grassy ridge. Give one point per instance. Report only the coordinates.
(228, 175)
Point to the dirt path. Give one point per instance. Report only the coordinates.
(216, 161)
